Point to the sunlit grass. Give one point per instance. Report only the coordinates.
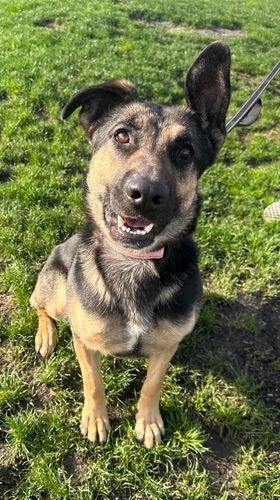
(219, 397)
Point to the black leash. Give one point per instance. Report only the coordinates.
(250, 110)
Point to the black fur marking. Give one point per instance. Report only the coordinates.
(176, 310)
(62, 255)
(180, 268)
(88, 295)
(58, 263)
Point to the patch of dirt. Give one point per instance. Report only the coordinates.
(8, 481)
(43, 397)
(75, 464)
(217, 30)
(254, 163)
(220, 464)
(256, 353)
(6, 303)
(41, 112)
(246, 78)
(272, 134)
(11, 471)
(10, 477)
(49, 23)
(170, 27)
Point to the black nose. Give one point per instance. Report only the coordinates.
(142, 192)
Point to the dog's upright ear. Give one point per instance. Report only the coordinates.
(97, 100)
(208, 89)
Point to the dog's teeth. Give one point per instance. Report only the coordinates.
(148, 228)
(131, 230)
(121, 221)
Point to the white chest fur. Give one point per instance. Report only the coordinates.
(134, 332)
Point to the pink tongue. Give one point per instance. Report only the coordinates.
(140, 223)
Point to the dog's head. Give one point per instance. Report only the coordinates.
(147, 158)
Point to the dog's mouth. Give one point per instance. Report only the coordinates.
(134, 226)
(136, 232)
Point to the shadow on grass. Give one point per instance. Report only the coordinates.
(236, 344)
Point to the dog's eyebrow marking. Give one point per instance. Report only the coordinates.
(170, 133)
(128, 123)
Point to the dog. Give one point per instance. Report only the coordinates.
(129, 283)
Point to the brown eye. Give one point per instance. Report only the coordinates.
(122, 136)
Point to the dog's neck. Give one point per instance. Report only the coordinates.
(132, 283)
(132, 287)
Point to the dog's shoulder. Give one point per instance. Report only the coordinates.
(62, 255)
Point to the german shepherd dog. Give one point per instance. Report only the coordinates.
(128, 283)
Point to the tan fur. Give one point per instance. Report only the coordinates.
(149, 424)
(112, 336)
(167, 335)
(46, 336)
(95, 277)
(169, 134)
(95, 422)
(96, 333)
(50, 295)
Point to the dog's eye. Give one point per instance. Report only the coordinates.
(122, 136)
(185, 153)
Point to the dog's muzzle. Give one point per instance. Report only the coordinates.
(137, 208)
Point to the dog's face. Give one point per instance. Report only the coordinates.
(142, 181)
(147, 158)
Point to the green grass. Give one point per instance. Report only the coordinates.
(221, 397)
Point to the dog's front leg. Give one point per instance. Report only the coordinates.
(149, 425)
(95, 422)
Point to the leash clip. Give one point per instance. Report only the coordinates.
(251, 109)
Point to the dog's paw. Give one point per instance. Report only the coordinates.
(95, 424)
(149, 428)
(46, 338)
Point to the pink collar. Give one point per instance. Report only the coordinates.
(138, 254)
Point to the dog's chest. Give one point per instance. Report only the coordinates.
(134, 333)
(121, 338)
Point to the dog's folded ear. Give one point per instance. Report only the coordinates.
(208, 89)
(97, 100)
